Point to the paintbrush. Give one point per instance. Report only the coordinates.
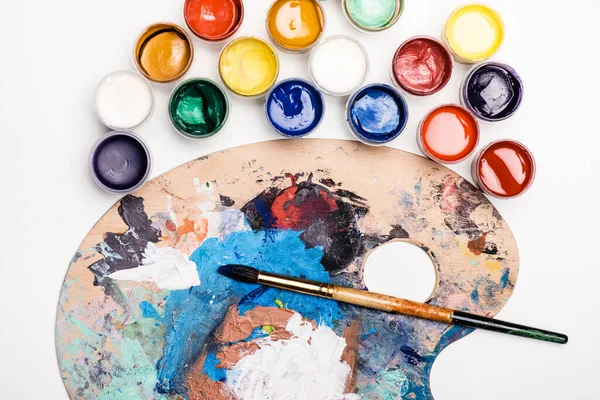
(389, 304)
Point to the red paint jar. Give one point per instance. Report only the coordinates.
(448, 134)
(213, 21)
(504, 169)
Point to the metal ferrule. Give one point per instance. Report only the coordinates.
(296, 285)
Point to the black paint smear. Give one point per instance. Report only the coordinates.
(350, 195)
(412, 357)
(227, 201)
(491, 249)
(328, 182)
(398, 232)
(129, 246)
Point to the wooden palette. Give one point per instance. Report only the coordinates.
(312, 208)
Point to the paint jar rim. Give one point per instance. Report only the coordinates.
(125, 128)
(477, 159)
(316, 48)
(296, 51)
(219, 40)
(422, 125)
(406, 90)
(216, 131)
(400, 6)
(463, 96)
(446, 34)
(306, 82)
(175, 27)
(147, 151)
(239, 39)
(398, 94)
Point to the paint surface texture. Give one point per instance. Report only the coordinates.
(249, 66)
(295, 24)
(493, 91)
(124, 100)
(213, 20)
(294, 107)
(377, 114)
(198, 108)
(120, 162)
(506, 169)
(449, 134)
(164, 54)
(474, 32)
(372, 14)
(422, 66)
(339, 65)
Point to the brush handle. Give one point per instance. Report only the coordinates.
(392, 304)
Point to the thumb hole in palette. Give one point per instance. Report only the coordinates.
(401, 269)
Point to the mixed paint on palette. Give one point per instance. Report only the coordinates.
(168, 326)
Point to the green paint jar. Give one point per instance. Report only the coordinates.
(372, 16)
(198, 108)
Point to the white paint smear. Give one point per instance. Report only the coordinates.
(307, 367)
(339, 65)
(206, 197)
(169, 268)
(124, 100)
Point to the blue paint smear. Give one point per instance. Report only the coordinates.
(377, 113)
(190, 317)
(148, 310)
(210, 368)
(504, 278)
(475, 296)
(294, 107)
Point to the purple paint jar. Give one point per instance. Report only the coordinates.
(120, 162)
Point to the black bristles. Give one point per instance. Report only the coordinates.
(240, 273)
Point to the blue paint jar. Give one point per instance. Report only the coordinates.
(377, 114)
(294, 107)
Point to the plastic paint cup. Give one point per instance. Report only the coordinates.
(504, 169)
(377, 114)
(248, 67)
(339, 65)
(120, 162)
(294, 108)
(448, 134)
(473, 33)
(163, 52)
(492, 91)
(213, 21)
(372, 16)
(124, 100)
(422, 66)
(295, 26)
(198, 108)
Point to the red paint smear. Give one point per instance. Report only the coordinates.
(290, 215)
(213, 19)
(506, 169)
(422, 66)
(449, 133)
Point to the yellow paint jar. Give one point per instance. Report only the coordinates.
(248, 66)
(163, 52)
(473, 33)
(295, 26)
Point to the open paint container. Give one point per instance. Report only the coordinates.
(422, 66)
(448, 134)
(339, 65)
(473, 33)
(120, 162)
(198, 108)
(163, 52)
(124, 100)
(248, 67)
(217, 25)
(294, 107)
(295, 26)
(372, 16)
(492, 91)
(377, 114)
(504, 169)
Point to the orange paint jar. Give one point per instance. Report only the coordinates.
(448, 134)
(295, 25)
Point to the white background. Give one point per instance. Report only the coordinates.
(53, 53)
